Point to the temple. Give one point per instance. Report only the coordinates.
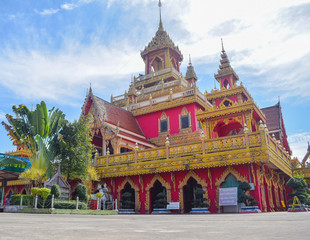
(165, 135)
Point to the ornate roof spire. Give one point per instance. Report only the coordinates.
(160, 22)
(190, 72)
(225, 68)
(161, 40)
(223, 50)
(132, 90)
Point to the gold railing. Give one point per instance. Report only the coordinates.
(305, 171)
(243, 146)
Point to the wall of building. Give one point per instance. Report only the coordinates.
(213, 177)
(149, 123)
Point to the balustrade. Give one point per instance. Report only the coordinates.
(203, 148)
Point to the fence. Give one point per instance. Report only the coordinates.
(37, 202)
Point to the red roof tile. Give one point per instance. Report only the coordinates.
(272, 117)
(116, 115)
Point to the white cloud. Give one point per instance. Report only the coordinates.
(2, 115)
(299, 143)
(255, 36)
(48, 11)
(69, 6)
(11, 16)
(61, 76)
(73, 5)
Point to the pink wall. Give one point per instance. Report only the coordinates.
(149, 122)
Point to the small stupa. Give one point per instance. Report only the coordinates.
(61, 182)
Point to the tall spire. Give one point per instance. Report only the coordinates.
(223, 50)
(161, 40)
(225, 68)
(160, 22)
(190, 72)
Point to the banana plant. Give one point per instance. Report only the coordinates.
(35, 130)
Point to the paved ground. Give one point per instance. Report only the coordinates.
(212, 226)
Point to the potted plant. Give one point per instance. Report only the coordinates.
(246, 200)
(160, 204)
(300, 192)
(127, 204)
(200, 204)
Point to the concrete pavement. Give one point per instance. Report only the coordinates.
(282, 225)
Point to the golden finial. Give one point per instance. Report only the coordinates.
(223, 50)
(190, 61)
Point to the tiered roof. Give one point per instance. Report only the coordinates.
(159, 41)
(190, 72)
(225, 68)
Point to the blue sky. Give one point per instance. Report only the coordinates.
(52, 50)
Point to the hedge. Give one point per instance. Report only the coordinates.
(69, 205)
(27, 199)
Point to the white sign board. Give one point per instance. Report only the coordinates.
(228, 196)
(173, 205)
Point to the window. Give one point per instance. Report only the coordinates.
(163, 125)
(227, 103)
(226, 84)
(157, 64)
(184, 121)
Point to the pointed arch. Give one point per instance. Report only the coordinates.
(163, 182)
(158, 63)
(219, 181)
(163, 123)
(183, 182)
(135, 187)
(185, 119)
(194, 175)
(234, 172)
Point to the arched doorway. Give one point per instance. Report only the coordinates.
(232, 127)
(230, 182)
(128, 197)
(154, 191)
(188, 194)
(110, 148)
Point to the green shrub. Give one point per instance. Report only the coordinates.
(300, 190)
(27, 199)
(81, 192)
(69, 205)
(44, 193)
(55, 189)
(199, 201)
(35, 191)
(245, 198)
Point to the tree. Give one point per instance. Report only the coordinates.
(74, 148)
(55, 190)
(91, 175)
(81, 192)
(199, 201)
(127, 201)
(300, 189)
(35, 130)
(245, 197)
(161, 200)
